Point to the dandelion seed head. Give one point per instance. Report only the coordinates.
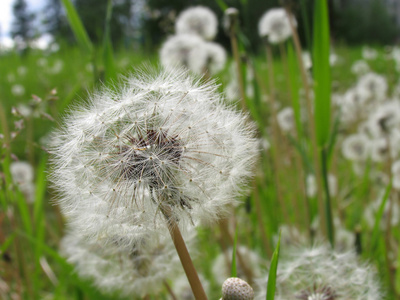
(21, 172)
(384, 119)
(177, 51)
(373, 86)
(322, 273)
(356, 147)
(275, 25)
(360, 67)
(198, 20)
(369, 53)
(207, 56)
(18, 90)
(140, 271)
(285, 119)
(161, 141)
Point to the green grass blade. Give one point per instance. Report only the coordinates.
(6, 243)
(222, 5)
(40, 190)
(271, 285)
(294, 85)
(77, 27)
(378, 218)
(108, 55)
(322, 73)
(233, 267)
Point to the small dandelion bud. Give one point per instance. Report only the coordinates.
(237, 289)
(230, 19)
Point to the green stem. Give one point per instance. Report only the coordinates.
(328, 204)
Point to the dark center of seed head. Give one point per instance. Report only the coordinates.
(149, 154)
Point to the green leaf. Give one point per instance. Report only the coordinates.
(233, 267)
(294, 86)
(7, 243)
(378, 218)
(108, 56)
(222, 5)
(77, 27)
(322, 73)
(271, 285)
(40, 190)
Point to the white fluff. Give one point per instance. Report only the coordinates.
(198, 20)
(275, 25)
(163, 140)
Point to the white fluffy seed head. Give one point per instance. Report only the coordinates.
(209, 57)
(356, 147)
(164, 140)
(199, 20)
(21, 172)
(275, 25)
(285, 119)
(373, 86)
(176, 51)
(236, 289)
(140, 271)
(304, 273)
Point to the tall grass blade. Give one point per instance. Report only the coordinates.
(378, 218)
(108, 54)
(322, 73)
(77, 27)
(294, 84)
(271, 285)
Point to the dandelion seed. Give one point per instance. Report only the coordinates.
(161, 141)
(198, 20)
(275, 25)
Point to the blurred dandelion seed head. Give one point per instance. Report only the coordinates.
(198, 20)
(275, 25)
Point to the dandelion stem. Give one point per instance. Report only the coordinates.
(312, 129)
(235, 51)
(246, 270)
(264, 238)
(184, 255)
(5, 129)
(170, 291)
(388, 234)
